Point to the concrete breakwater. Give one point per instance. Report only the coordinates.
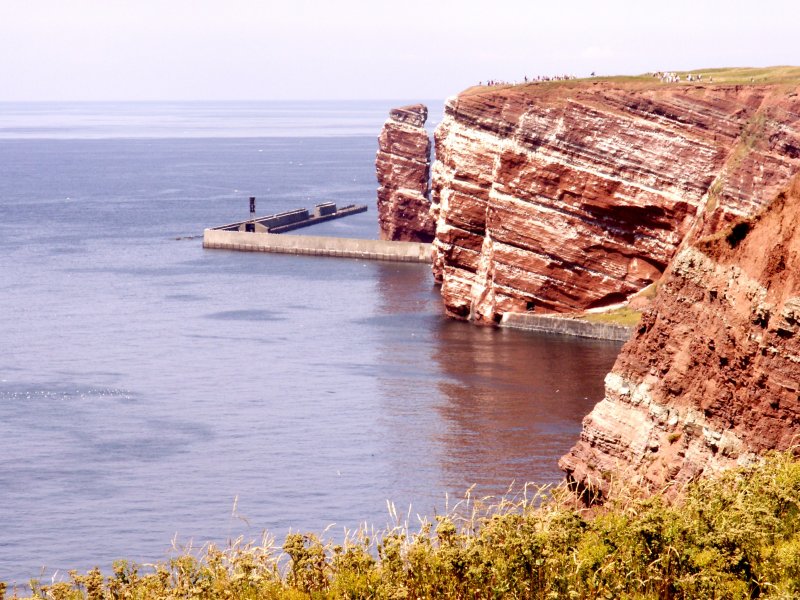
(567, 326)
(222, 239)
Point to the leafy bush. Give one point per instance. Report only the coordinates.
(735, 536)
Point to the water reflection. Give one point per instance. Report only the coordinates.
(410, 308)
(492, 406)
(406, 288)
(512, 402)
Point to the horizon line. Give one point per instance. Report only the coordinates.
(154, 100)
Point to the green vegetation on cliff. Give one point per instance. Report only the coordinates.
(737, 536)
(629, 317)
(779, 75)
(744, 75)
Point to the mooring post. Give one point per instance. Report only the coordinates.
(251, 226)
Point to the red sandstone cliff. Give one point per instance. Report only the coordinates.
(403, 170)
(568, 196)
(712, 376)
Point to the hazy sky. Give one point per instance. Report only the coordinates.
(407, 49)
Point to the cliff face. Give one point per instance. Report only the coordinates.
(403, 170)
(564, 197)
(712, 377)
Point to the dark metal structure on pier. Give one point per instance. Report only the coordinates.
(256, 235)
(293, 219)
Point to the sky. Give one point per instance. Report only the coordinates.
(62, 50)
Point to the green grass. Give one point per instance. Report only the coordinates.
(737, 536)
(754, 132)
(786, 75)
(715, 191)
(620, 316)
(745, 75)
(728, 75)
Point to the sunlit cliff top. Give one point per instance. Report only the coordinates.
(779, 75)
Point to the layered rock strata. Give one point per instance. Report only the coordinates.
(403, 169)
(711, 379)
(571, 196)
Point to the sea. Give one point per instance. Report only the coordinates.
(154, 394)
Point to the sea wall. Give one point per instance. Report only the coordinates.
(567, 196)
(567, 326)
(317, 246)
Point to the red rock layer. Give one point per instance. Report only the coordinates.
(403, 169)
(712, 377)
(564, 197)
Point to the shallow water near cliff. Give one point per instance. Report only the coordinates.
(147, 385)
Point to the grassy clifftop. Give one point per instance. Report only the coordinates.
(745, 75)
(779, 75)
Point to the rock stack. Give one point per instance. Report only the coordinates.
(403, 169)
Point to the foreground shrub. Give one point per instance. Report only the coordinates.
(737, 536)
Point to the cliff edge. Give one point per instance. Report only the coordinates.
(568, 196)
(571, 196)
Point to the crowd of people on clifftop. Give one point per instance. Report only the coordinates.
(526, 79)
(663, 76)
(672, 77)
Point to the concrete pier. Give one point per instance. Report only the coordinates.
(223, 239)
(567, 326)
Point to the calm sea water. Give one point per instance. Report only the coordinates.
(147, 385)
